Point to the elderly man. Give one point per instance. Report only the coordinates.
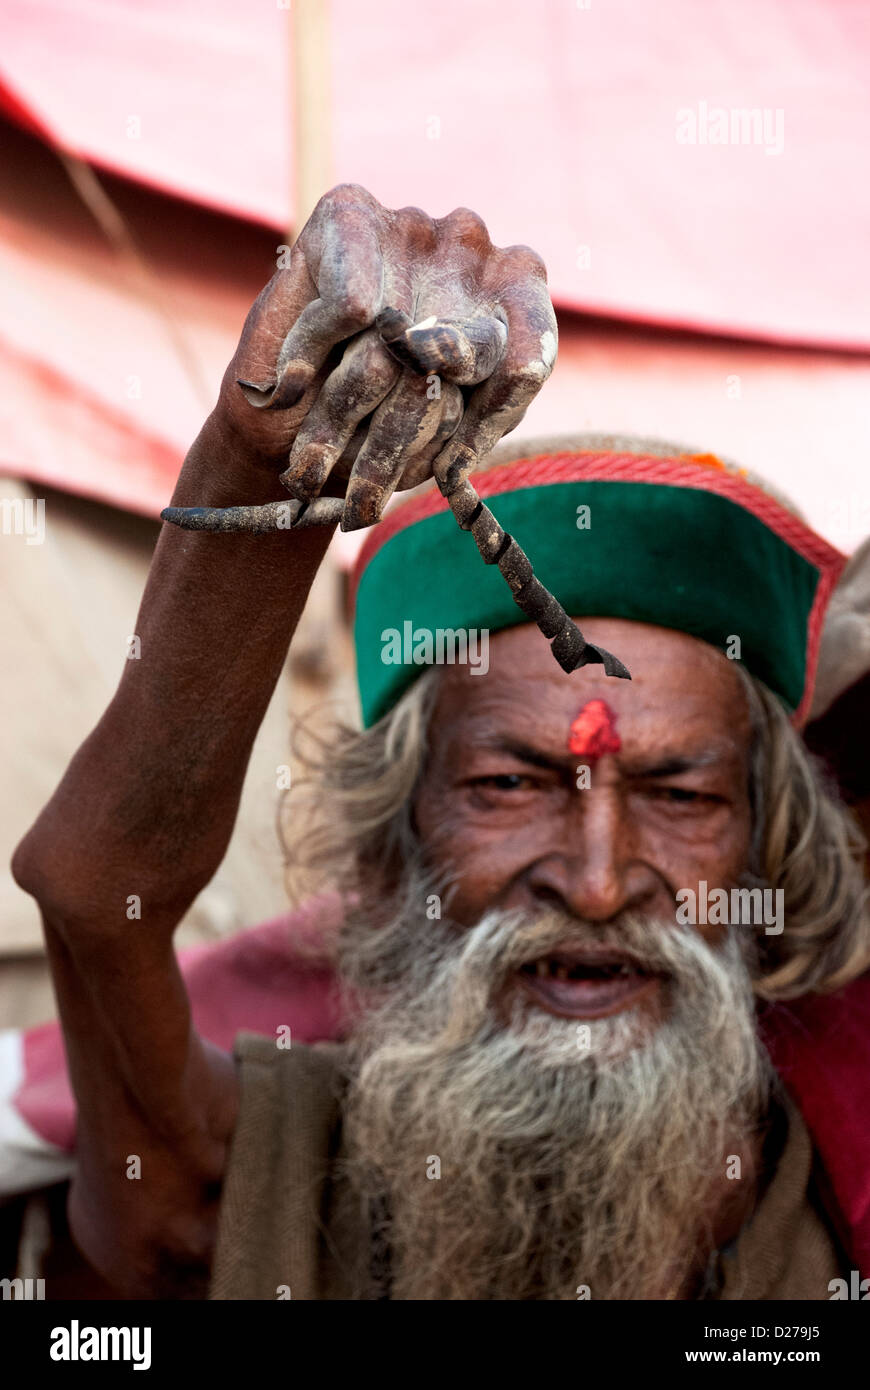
(565, 892)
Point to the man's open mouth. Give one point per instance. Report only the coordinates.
(587, 983)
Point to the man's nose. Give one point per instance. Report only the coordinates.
(594, 869)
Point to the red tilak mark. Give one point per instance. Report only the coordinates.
(594, 731)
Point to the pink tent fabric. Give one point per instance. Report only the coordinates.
(583, 161)
(96, 399)
(565, 126)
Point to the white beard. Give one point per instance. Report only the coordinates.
(562, 1167)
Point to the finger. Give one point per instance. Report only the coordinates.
(278, 304)
(466, 351)
(418, 466)
(343, 467)
(365, 375)
(406, 421)
(342, 250)
(499, 404)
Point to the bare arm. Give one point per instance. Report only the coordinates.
(146, 808)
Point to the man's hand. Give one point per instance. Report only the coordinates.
(394, 346)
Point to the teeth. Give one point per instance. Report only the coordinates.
(545, 968)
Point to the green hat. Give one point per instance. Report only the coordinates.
(682, 541)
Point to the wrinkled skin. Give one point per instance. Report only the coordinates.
(486, 345)
(500, 812)
(513, 825)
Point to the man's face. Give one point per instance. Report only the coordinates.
(578, 1152)
(500, 809)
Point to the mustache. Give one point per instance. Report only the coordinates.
(470, 982)
(401, 952)
(509, 941)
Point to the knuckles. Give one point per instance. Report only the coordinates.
(523, 261)
(355, 309)
(347, 195)
(419, 229)
(525, 379)
(466, 227)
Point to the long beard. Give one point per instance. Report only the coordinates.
(520, 1156)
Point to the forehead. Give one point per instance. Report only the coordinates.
(682, 691)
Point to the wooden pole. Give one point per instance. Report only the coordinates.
(312, 102)
(314, 661)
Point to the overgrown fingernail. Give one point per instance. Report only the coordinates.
(305, 474)
(391, 322)
(363, 505)
(258, 394)
(293, 382)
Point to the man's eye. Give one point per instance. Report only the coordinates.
(503, 781)
(683, 795)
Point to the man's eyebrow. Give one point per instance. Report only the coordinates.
(497, 743)
(670, 765)
(660, 765)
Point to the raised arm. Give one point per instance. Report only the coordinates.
(144, 813)
(136, 829)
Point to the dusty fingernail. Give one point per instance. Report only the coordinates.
(256, 393)
(294, 381)
(440, 348)
(391, 322)
(363, 505)
(305, 474)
